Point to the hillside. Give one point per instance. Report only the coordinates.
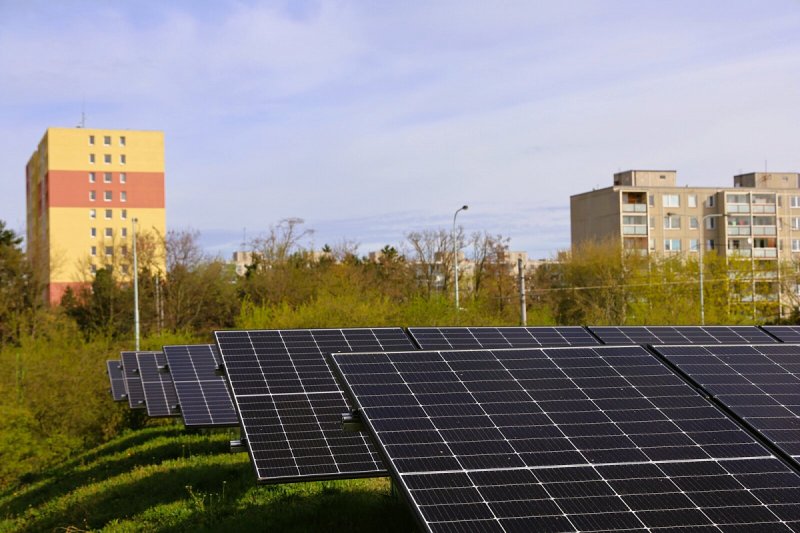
(166, 479)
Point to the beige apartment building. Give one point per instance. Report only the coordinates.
(757, 218)
(646, 210)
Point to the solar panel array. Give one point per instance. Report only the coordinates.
(681, 334)
(202, 394)
(159, 392)
(290, 406)
(133, 382)
(502, 337)
(784, 333)
(564, 439)
(759, 383)
(114, 370)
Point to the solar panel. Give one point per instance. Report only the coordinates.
(290, 406)
(784, 333)
(159, 392)
(563, 439)
(758, 383)
(114, 370)
(490, 337)
(202, 394)
(681, 334)
(133, 382)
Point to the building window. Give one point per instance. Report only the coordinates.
(123, 196)
(125, 267)
(92, 177)
(124, 233)
(651, 199)
(107, 159)
(123, 250)
(123, 214)
(123, 177)
(652, 222)
(93, 268)
(122, 159)
(107, 196)
(672, 200)
(710, 201)
(109, 232)
(93, 250)
(122, 140)
(672, 245)
(794, 201)
(107, 140)
(672, 222)
(92, 213)
(91, 159)
(710, 244)
(106, 177)
(693, 223)
(92, 196)
(711, 223)
(694, 245)
(91, 140)
(692, 200)
(93, 232)
(109, 214)
(795, 223)
(109, 251)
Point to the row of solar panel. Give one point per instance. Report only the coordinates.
(290, 408)
(180, 381)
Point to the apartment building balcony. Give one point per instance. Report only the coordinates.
(765, 253)
(634, 208)
(634, 229)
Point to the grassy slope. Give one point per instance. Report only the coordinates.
(165, 479)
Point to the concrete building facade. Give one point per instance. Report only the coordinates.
(83, 189)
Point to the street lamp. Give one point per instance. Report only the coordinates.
(702, 245)
(455, 250)
(135, 285)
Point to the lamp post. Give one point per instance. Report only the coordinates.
(135, 285)
(702, 245)
(455, 251)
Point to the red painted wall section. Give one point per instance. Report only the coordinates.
(70, 188)
(57, 289)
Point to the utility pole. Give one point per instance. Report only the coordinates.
(523, 308)
(135, 286)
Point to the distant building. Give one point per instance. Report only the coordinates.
(242, 260)
(83, 188)
(758, 218)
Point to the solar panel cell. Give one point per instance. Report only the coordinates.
(133, 381)
(115, 376)
(583, 463)
(681, 334)
(202, 394)
(290, 406)
(500, 337)
(159, 392)
(759, 383)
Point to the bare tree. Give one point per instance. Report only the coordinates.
(282, 240)
(431, 253)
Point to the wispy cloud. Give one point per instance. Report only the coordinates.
(356, 115)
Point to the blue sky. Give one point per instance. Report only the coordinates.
(372, 119)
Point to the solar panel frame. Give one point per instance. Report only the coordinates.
(586, 496)
(290, 406)
(117, 379)
(133, 381)
(759, 384)
(788, 334)
(621, 335)
(159, 393)
(203, 395)
(447, 338)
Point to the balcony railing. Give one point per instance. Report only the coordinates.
(634, 208)
(634, 229)
(765, 252)
(737, 208)
(765, 230)
(738, 230)
(769, 208)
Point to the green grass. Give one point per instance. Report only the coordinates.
(166, 479)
